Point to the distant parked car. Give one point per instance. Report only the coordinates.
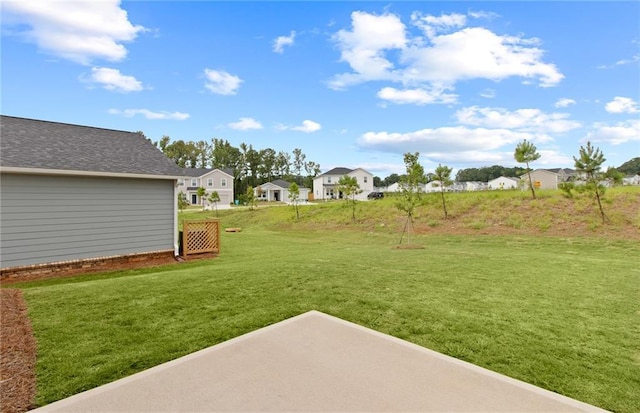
(375, 195)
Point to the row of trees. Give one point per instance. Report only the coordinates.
(588, 163)
(250, 167)
(487, 173)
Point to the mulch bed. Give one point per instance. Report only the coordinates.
(17, 354)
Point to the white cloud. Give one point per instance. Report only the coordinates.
(307, 126)
(380, 48)
(112, 79)
(430, 25)
(564, 102)
(221, 82)
(245, 124)
(80, 31)
(363, 47)
(282, 41)
(488, 93)
(128, 113)
(415, 96)
(525, 120)
(483, 14)
(478, 53)
(444, 140)
(634, 59)
(621, 104)
(615, 134)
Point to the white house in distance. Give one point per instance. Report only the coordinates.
(219, 180)
(278, 191)
(504, 182)
(325, 186)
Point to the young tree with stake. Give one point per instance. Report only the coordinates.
(411, 192)
(294, 197)
(443, 174)
(349, 187)
(214, 198)
(202, 193)
(526, 152)
(590, 162)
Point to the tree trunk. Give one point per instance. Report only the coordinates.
(530, 182)
(444, 205)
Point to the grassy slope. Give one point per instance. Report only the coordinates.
(558, 312)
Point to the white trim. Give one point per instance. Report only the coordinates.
(40, 171)
(176, 249)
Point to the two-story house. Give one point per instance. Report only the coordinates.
(219, 180)
(325, 186)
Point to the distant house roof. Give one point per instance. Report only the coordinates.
(281, 183)
(566, 171)
(198, 172)
(29, 144)
(512, 178)
(338, 171)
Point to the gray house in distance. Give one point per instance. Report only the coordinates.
(78, 193)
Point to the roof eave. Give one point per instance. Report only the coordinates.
(66, 172)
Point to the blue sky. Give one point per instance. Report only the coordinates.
(353, 84)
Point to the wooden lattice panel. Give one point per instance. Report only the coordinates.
(201, 236)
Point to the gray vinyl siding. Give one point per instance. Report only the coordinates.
(46, 219)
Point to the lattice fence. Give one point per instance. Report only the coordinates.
(201, 236)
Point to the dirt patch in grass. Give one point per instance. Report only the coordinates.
(17, 354)
(409, 247)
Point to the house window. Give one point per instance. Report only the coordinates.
(194, 182)
(180, 182)
(223, 182)
(210, 182)
(328, 179)
(365, 179)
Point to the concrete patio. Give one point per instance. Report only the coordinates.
(316, 362)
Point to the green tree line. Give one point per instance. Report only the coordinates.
(251, 167)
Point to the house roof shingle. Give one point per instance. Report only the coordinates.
(338, 171)
(198, 172)
(39, 144)
(281, 183)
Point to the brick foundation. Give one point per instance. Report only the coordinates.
(75, 267)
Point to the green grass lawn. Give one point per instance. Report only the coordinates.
(560, 313)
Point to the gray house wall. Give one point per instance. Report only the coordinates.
(51, 218)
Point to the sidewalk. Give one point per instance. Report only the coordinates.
(316, 362)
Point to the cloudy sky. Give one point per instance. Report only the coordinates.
(353, 84)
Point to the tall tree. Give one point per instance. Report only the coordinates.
(268, 164)
(164, 141)
(294, 197)
(313, 170)
(589, 162)
(410, 190)
(283, 165)
(526, 152)
(631, 167)
(298, 163)
(203, 153)
(349, 187)
(443, 174)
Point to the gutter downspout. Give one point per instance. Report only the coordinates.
(176, 250)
